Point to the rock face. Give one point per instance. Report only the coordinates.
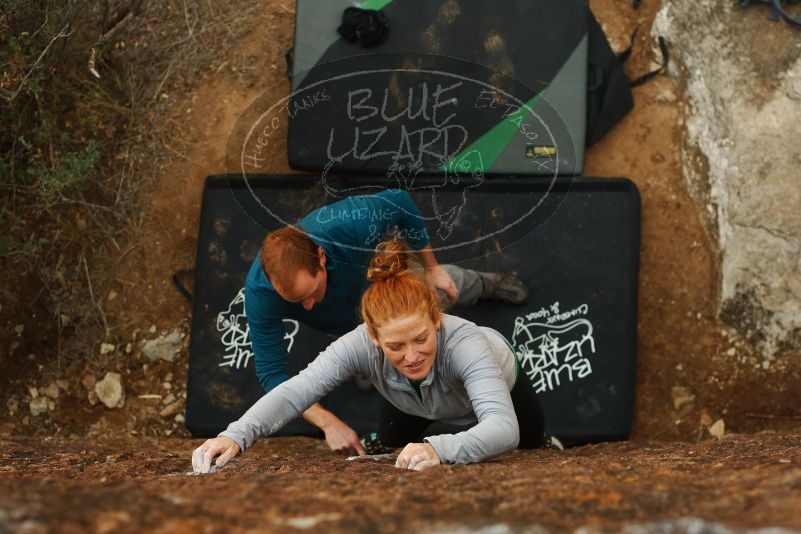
(742, 158)
(110, 391)
(164, 347)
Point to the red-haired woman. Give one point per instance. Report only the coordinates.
(428, 365)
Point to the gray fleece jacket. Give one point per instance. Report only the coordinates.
(470, 380)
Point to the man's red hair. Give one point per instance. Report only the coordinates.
(286, 251)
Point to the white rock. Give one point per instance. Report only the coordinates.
(52, 391)
(38, 406)
(110, 390)
(164, 347)
(33, 392)
(180, 418)
(106, 348)
(717, 429)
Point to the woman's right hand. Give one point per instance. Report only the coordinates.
(418, 456)
(221, 447)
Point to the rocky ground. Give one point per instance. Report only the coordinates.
(736, 483)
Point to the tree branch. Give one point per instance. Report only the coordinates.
(38, 60)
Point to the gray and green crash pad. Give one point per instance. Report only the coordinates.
(574, 242)
(497, 87)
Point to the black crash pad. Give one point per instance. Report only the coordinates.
(575, 243)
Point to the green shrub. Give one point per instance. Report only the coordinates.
(49, 151)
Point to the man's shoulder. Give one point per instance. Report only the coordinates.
(258, 289)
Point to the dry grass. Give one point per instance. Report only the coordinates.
(57, 276)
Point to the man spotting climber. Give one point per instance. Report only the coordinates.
(315, 272)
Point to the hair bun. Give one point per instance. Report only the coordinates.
(391, 259)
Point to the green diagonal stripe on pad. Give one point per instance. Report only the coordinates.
(490, 146)
(375, 4)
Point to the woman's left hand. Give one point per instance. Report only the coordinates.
(417, 456)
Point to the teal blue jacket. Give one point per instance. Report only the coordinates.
(348, 231)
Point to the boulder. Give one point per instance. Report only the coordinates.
(741, 159)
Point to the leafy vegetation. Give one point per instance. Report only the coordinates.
(57, 115)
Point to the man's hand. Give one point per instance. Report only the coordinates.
(223, 448)
(417, 456)
(438, 278)
(341, 438)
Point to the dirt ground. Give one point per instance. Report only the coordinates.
(294, 484)
(90, 482)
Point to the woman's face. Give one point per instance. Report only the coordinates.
(410, 344)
